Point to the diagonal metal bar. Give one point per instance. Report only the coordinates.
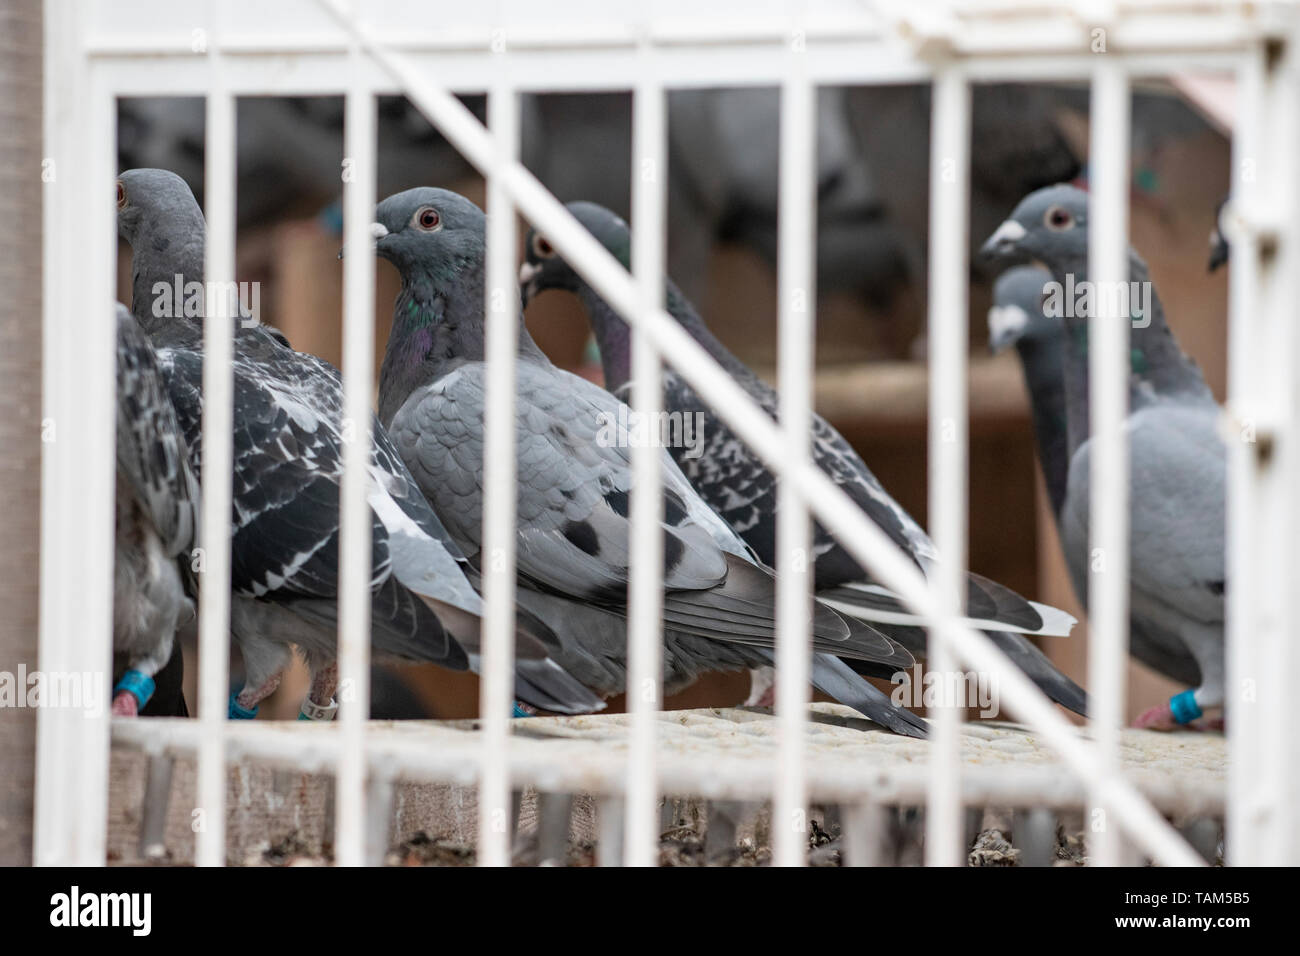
(832, 507)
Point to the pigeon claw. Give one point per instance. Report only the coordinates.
(1157, 718)
(125, 705)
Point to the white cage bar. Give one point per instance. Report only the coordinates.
(645, 587)
(1108, 398)
(96, 51)
(797, 302)
(355, 521)
(949, 224)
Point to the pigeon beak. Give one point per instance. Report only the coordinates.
(529, 275)
(1218, 249)
(1006, 323)
(1004, 243)
(377, 231)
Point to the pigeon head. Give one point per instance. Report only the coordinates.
(158, 215)
(154, 206)
(543, 267)
(428, 232)
(1017, 311)
(1050, 226)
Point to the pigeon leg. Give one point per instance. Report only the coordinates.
(1187, 709)
(136, 686)
(251, 695)
(320, 703)
(125, 704)
(1159, 717)
(264, 665)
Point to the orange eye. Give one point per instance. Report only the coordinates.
(542, 247)
(121, 196)
(426, 218)
(1058, 218)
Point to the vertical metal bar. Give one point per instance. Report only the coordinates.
(1243, 844)
(218, 389)
(866, 827)
(949, 215)
(355, 519)
(1108, 361)
(77, 469)
(796, 312)
(645, 586)
(502, 309)
(1262, 510)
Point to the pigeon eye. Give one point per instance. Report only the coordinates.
(121, 196)
(542, 248)
(426, 218)
(1058, 219)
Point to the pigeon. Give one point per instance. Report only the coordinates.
(741, 488)
(1018, 317)
(573, 479)
(288, 466)
(155, 527)
(1178, 469)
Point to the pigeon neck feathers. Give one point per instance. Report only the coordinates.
(614, 336)
(1159, 370)
(438, 325)
(171, 256)
(1042, 359)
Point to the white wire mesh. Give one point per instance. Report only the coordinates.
(306, 48)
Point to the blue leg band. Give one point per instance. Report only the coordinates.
(137, 685)
(1184, 707)
(239, 713)
(519, 711)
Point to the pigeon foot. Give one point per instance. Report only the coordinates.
(125, 705)
(1157, 718)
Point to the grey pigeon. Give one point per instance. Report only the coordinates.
(1017, 317)
(573, 485)
(156, 523)
(1177, 459)
(288, 441)
(741, 488)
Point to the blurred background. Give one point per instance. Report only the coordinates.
(872, 186)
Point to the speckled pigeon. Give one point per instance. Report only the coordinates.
(573, 484)
(288, 413)
(1177, 459)
(740, 487)
(156, 522)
